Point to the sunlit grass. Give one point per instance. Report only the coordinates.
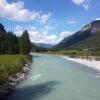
(9, 65)
(76, 53)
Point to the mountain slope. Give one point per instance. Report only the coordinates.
(43, 45)
(87, 37)
(92, 42)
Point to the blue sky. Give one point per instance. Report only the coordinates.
(47, 21)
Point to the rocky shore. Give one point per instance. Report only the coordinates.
(91, 63)
(13, 81)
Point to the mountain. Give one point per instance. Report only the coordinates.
(87, 37)
(44, 45)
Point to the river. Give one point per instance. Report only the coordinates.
(54, 78)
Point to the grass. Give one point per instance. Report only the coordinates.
(9, 59)
(9, 65)
(76, 53)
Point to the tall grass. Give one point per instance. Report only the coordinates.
(9, 65)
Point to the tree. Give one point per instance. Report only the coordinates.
(3, 37)
(24, 43)
(13, 43)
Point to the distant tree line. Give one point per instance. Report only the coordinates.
(35, 48)
(11, 44)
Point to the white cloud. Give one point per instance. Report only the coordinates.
(42, 36)
(64, 34)
(78, 2)
(47, 28)
(37, 36)
(18, 27)
(17, 12)
(44, 18)
(72, 22)
(84, 3)
(18, 30)
(97, 18)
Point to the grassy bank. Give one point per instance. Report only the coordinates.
(10, 64)
(76, 53)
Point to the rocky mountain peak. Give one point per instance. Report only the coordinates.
(86, 27)
(93, 26)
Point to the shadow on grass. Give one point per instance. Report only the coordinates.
(33, 92)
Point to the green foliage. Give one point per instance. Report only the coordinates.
(25, 43)
(3, 42)
(11, 65)
(75, 53)
(11, 44)
(3, 75)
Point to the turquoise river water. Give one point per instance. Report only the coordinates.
(54, 78)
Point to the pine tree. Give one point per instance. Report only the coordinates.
(13, 43)
(24, 43)
(3, 36)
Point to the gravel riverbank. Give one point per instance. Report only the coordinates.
(13, 81)
(89, 63)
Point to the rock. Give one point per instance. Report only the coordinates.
(13, 81)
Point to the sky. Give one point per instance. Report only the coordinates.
(48, 21)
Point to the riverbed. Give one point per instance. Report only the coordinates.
(54, 78)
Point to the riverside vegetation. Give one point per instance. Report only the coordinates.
(11, 64)
(77, 53)
(14, 59)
